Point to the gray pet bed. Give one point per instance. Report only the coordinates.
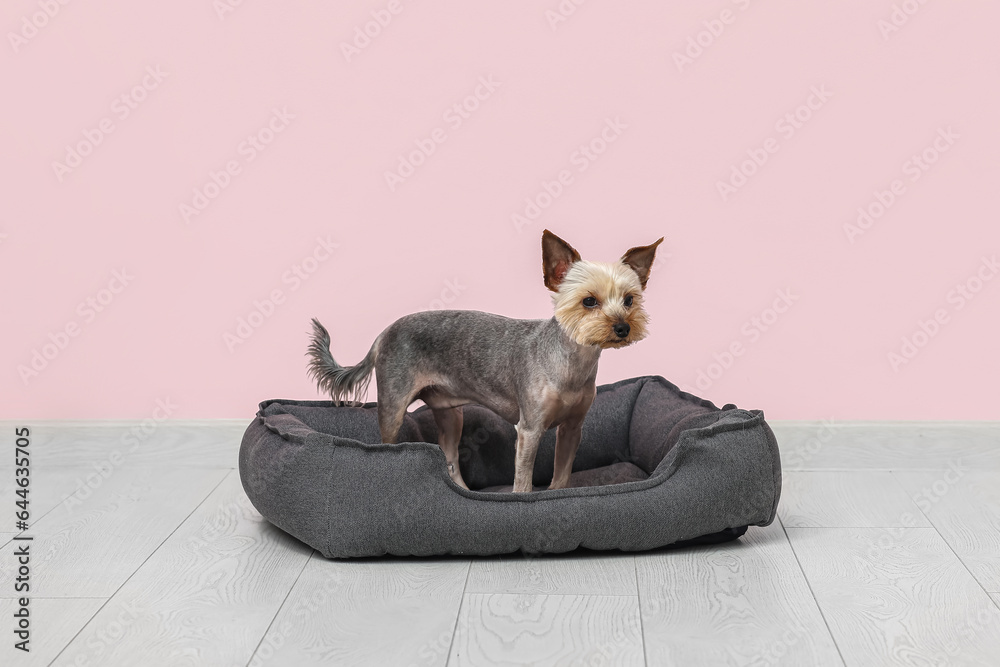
(656, 466)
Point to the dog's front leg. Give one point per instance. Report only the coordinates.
(529, 435)
(567, 441)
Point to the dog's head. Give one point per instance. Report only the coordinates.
(598, 303)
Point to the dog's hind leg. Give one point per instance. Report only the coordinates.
(394, 396)
(449, 423)
(390, 419)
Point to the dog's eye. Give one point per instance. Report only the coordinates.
(628, 300)
(589, 302)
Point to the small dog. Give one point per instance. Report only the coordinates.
(536, 374)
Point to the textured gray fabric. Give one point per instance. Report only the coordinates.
(656, 466)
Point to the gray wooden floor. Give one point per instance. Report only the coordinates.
(887, 552)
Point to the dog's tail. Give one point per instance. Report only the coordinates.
(342, 383)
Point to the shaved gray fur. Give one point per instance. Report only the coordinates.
(536, 374)
(527, 371)
(448, 345)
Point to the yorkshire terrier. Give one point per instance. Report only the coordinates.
(536, 374)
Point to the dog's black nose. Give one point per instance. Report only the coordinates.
(622, 329)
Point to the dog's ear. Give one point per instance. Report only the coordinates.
(557, 257)
(641, 259)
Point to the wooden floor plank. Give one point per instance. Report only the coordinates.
(90, 549)
(49, 487)
(887, 445)
(577, 573)
(548, 630)
(738, 603)
(202, 443)
(846, 499)
(964, 506)
(54, 622)
(206, 597)
(898, 597)
(390, 611)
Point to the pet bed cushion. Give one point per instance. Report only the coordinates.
(656, 466)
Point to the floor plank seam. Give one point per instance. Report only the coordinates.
(942, 468)
(897, 527)
(141, 565)
(558, 595)
(281, 606)
(946, 542)
(458, 614)
(638, 602)
(805, 577)
(56, 597)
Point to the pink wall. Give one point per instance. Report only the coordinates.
(287, 135)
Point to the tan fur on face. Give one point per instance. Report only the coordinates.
(609, 284)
